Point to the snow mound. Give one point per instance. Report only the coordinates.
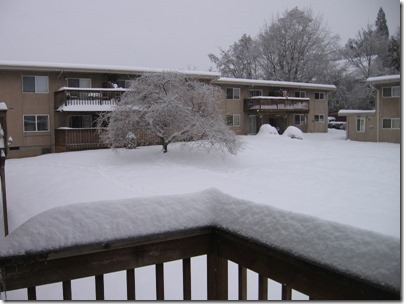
(293, 132)
(369, 255)
(267, 129)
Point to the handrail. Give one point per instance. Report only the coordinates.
(208, 223)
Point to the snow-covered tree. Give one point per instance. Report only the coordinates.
(296, 47)
(240, 60)
(172, 107)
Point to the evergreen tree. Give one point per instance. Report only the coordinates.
(381, 24)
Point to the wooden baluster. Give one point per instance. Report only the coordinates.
(160, 282)
(67, 290)
(286, 292)
(99, 287)
(242, 283)
(262, 287)
(31, 293)
(130, 284)
(217, 274)
(186, 278)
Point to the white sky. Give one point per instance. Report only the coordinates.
(176, 34)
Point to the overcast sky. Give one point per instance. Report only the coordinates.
(175, 34)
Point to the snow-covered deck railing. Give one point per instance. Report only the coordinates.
(276, 104)
(87, 99)
(322, 259)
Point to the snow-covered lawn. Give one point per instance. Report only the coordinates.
(322, 175)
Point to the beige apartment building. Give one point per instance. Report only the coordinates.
(53, 107)
(383, 124)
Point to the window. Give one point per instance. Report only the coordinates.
(233, 93)
(391, 123)
(233, 120)
(125, 84)
(391, 91)
(35, 84)
(36, 123)
(301, 94)
(254, 93)
(80, 121)
(319, 95)
(299, 119)
(79, 82)
(360, 124)
(319, 118)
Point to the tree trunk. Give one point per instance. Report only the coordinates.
(165, 145)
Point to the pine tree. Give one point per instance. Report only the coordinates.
(381, 24)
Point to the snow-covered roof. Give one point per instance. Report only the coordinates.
(274, 83)
(384, 79)
(355, 112)
(91, 68)
(365, 254)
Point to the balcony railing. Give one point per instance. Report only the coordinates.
(86, 99)
(349, 264)
(77, 139)
(277, 104)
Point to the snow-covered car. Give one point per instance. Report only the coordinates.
(340, 125)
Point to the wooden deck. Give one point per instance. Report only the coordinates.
(319, 282)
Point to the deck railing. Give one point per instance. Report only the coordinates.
(66, 96)
(220, 246)
(277, 104)
(77, 139)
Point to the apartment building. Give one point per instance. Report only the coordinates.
(53, 107)
(383, 124)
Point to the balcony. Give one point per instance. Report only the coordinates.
(86, 99)
(78, 139)
(276, 105)
(321, 259)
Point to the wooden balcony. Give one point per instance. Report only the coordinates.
(276, 105)
(78, 139)
(87, 99)
(221, 242)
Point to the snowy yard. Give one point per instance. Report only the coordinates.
(323, 175)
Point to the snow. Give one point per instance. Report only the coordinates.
(267, 129)
(354, 112)
(383, 79)
(293, 132)
(279, 98)
(323, 176)
(296, 85)
(349, 250)
(69, 67)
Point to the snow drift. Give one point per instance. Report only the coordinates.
(350, 250)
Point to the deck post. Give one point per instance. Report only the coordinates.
(217, 273)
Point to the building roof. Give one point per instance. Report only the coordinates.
(355, 112)
(274, 83)
(69, 67)
(383, 79)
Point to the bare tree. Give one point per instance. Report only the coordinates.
(173, 108)
(240, 60)
(296, 47)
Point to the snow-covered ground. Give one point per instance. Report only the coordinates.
(323, 175)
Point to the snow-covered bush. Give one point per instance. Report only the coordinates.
(267, 129)
(293, 132)
(173, 108)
